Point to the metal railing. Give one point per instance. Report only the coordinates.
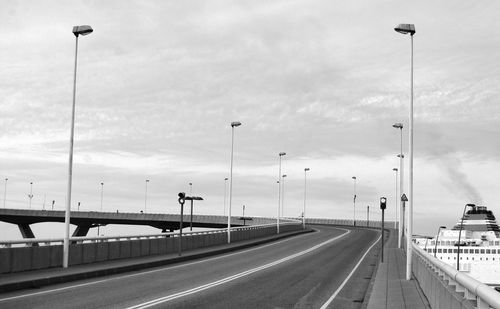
(85, 239)
(473, 290)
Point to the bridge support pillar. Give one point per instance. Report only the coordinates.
(81, 231)
(26, 232)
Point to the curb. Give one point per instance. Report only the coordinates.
(63, 278)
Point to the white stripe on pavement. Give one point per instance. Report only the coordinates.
(233, 277)
(325, 305)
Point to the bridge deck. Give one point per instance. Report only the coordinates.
(88, 219)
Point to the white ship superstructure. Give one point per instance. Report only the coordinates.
(479, 254)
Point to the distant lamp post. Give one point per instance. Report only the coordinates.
(30, 196)
(367, 216)
(146, 196)
(77, 31)
(354, 202)
(283, 196)
(78, 206)
(437, 239)
(233, 125)
(401, 184)
(397, 198)
(192, 198)
(281, 154)
(190, 188)
(409, 29)
(53, 202)
(102, 193)
(460, 233)
(305, 195)
(225, 188)
(5, 192)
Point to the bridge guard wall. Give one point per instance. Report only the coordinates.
(17, 259)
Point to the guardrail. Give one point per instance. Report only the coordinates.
(433, 275)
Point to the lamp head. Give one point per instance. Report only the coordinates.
(306, 169)
(353, 177)
(398, 125)
(284, 175)
(395, 169)
(82, 30)
(282, 154)
(405, 29)
(235, 124)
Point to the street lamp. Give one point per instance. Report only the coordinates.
(225, 186)
(191, 198)
(409, 29)
(5, 192)
(102, 193)
(77, 31)
(190, 188)
(283, 196)
(437, 238)
(146, 196)
(354, 212)
(281, 154)
(233, 125)
(30, 196)
(460, 233)
(305, 194)
(397, 198)
(401, 187)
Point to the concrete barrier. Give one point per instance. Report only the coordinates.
(17, 259)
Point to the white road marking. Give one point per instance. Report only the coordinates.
(233, 277)
(325, 305)
(147, 272)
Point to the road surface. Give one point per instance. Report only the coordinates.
(313, 270)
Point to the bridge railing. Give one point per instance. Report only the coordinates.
(433, 275)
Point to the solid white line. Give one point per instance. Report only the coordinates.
(233, 277)
(325, 305)
(149, 271)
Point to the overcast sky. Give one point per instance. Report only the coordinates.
(159, 83)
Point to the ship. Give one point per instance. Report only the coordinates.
(478, 253)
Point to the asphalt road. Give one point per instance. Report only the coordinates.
(306, 271)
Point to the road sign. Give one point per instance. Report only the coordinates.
(404, 198)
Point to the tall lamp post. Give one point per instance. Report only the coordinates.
(305, 195)
(397, 198)
(146, 196)
(354, 202)
(233, 125)
(283, 196)
(77, 31)
(30, 196)
(225, 186)
(409, 29)
(437, 238)
(401, 179)
(281, 154)
(5, 192)
(460, 234)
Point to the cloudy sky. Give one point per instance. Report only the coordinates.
(159, 83)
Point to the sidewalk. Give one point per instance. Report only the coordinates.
(38, 278)
(390, 288)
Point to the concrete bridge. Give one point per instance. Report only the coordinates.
(85, 220)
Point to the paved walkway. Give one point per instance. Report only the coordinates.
(391, 289)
